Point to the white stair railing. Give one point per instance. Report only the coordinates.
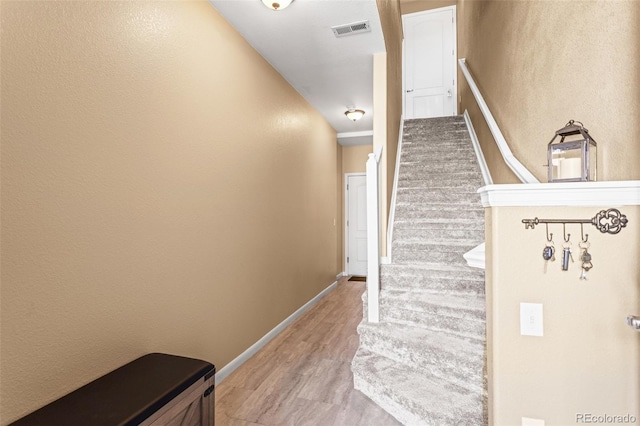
(516, 166)
(373, 236)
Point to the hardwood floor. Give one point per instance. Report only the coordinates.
(303, 376)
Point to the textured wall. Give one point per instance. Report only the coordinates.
(354, 158)
(540, 64)
(163, 189)
(588, 359)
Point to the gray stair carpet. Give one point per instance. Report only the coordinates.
(424, 362)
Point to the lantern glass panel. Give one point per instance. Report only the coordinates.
(567, 161)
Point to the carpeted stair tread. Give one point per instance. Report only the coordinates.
(462, 315)
(417, 280)
(438, 234)
(441, 212)
(455, 183)
(430, 252)
(417, 197)
(436, 269)
(447, 356)
(425, 399)
(436, 223)
(467, 307)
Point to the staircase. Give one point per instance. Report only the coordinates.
(424, 362)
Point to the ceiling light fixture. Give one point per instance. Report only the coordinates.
(276, 4)
(354, 114)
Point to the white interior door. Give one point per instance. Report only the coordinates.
(430, 63)
(356, 225)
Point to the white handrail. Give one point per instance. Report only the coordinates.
(516, 166)
(373, 236)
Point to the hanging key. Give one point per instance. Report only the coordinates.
(585, 258)
(548, 254)
(586, 263)
(566, 255)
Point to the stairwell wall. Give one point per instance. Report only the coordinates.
(163, 189)
(540, 64)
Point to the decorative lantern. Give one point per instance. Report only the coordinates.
(574, 157)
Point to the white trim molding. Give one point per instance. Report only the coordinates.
(373, 235)
(600, 194)
(392, 212)
(355, 134)
(516, 166)
(476, 256)
(253, 349)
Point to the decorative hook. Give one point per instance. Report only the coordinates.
(585, 237)
(566, 236)
(549, 236)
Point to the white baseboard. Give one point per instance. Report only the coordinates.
(244, 356)
(385, 260)
(340, 275)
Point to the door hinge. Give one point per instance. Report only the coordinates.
(347, 187)
(347, 222)
(347, 259)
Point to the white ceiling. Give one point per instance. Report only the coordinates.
(331, 73)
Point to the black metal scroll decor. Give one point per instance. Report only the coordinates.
(609, 221)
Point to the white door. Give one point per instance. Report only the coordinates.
(430, 63)
(356, 225)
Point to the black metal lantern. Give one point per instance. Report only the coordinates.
(574, 157)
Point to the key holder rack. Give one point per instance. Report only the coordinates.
(610, 221)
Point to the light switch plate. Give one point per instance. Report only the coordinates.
(531, 319)
(526, 421)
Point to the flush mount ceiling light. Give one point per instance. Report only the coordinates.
(276, 4)
(354, 114)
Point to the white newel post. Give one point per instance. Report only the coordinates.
(373, 238)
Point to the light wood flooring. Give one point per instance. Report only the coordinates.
(303, 376)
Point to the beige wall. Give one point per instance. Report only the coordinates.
(412, 6)
(587, 360)
(354, 158)
(540, 64)
(163, 189)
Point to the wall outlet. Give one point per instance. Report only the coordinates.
(531, 319)
(526, 421)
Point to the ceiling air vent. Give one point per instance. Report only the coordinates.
(348, 29)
